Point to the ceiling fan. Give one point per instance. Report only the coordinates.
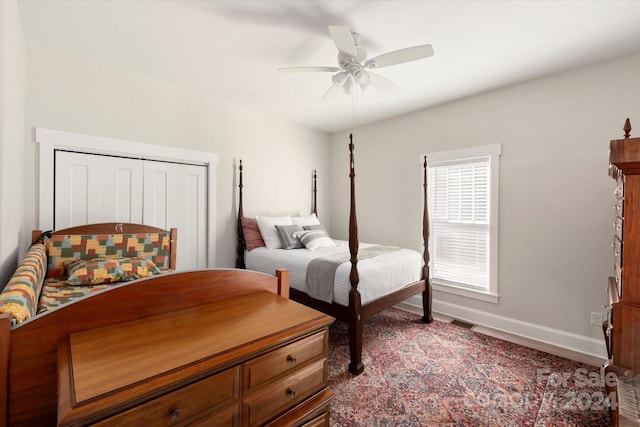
(354, 68)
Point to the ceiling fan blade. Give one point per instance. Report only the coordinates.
(307, 69)
(333, 91)
(383, 84)
(400, 56)
(343, 39)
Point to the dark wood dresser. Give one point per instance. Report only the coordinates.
(258, 359)
(622, 327)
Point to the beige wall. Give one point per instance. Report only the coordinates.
(73, 94)
(12, 130)
(555, 196)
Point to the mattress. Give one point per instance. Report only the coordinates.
(379, 276)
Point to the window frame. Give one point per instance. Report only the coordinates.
(461, 156)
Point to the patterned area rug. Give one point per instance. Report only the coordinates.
(447, 375)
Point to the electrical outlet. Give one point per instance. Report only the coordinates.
(596, 318)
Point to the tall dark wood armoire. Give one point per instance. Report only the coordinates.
(622, 327)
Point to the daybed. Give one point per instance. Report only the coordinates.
(371, 284)
(97, 255)
(40, 287)
(29, 365)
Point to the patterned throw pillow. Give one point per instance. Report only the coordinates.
(314, 239)
(96, 271)
(315, 227)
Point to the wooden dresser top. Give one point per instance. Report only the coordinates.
(119, 356)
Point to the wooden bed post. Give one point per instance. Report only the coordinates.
(241, 242)
(355, 321)
(283, 282)
(427, 293)
(315, 191)
(173, 248)
(5, 341)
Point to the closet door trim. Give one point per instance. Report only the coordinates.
(50, 140)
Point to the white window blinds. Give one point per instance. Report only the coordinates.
(459, 207)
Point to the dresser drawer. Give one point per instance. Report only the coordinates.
(184, 404)
(320, 421)
(227, 417)
(277, 397)
(284, 360)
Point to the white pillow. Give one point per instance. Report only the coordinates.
(305, 220)
(270, 234)
(314, 239)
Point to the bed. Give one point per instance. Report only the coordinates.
(368, 278)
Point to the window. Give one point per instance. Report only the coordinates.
(463, 218)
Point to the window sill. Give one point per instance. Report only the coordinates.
(468, 293)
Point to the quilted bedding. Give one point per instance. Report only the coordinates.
(42, 281)
(379, 275)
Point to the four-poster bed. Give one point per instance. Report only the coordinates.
(351, 308)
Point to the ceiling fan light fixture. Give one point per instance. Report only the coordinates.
(361, 77)
(348, 86)
(339, 78)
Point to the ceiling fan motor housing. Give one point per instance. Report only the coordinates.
(344, 60)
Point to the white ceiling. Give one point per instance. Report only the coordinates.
(231, 49)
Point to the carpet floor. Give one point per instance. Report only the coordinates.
(442, 374)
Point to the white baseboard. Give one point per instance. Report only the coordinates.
(554, 337)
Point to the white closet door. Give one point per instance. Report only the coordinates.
(175, 195)
(93, 188)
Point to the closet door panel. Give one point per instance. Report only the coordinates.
(122, 190)
(76, 175)
(175, 196)
(194, 223)
(93, 188)
(157, 196)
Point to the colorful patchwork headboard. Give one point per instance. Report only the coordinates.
(108, 240)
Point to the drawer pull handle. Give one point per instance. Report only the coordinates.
(292, 360)
(175, 415)
(291, 393)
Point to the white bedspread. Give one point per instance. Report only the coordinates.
(379, 275)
